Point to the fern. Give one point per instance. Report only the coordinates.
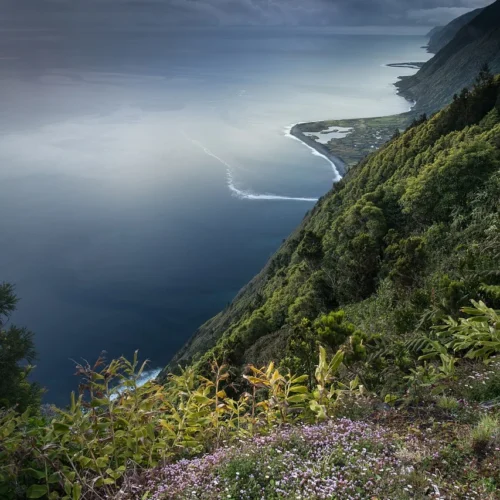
(492, 290)
(478, 335)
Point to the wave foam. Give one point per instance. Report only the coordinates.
(240, 193)
(145, 377)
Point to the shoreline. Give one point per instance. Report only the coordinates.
(340, 165)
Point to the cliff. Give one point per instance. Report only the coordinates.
(440, 36)
(456, 65)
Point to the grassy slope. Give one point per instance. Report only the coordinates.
(457, 64)
(403, 224)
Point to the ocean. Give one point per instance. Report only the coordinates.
(147, 175)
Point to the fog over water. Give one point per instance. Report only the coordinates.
(137, 171)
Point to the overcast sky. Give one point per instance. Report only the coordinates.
(240, 12)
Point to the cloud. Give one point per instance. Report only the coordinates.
(246, 12)
(437, 16)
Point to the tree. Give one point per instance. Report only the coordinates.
(17, 353)
(310, 247)
(485, 78)
(330, 330)
(417, 121)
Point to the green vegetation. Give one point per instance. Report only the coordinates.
(407, 238)
(271, 432)
(486, 435)
(85, 449)
(17, 353)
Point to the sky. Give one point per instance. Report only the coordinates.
(235, 12)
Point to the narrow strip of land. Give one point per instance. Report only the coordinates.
(365, 135)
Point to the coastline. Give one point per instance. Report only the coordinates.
(366, 135)
(410, 65)
(338, 165)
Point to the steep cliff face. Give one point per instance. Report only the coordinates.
(440, 36)
(398, 231)
(434, 31)
(456, 65)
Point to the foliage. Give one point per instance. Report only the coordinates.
(478, 334)
(115, 423)
(448, 403)
(485, 435)
(17, 353)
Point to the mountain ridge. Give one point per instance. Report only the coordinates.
(456, 65)
(440, 36)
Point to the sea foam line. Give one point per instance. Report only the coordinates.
(239, 193)
(336, 175)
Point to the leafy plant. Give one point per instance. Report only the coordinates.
(478, 335)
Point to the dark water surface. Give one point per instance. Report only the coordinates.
(116, 150)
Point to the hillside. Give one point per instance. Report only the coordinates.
(409, 233)
(440, 36)
(456, 65)
(434, 31)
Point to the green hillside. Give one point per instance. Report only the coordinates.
(410, 235)
(457, 64)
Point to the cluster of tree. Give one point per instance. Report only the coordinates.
(17, 353)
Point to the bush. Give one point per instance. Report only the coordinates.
(485, 436)
(447, 403)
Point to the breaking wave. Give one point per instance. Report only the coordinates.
(240, 193)
(145, 377)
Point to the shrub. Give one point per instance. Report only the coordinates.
(448, 404)
(485, 435)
